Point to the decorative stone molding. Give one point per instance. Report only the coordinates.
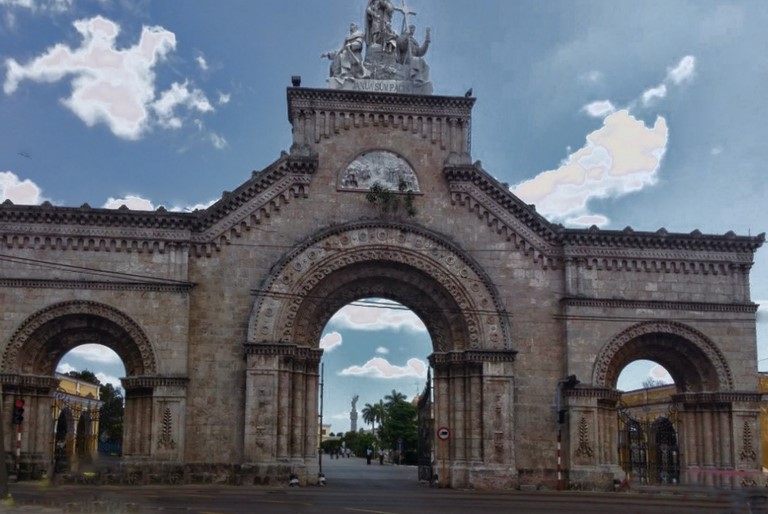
(716, 398)
(601, 393)
(122, 230)
(472, 356)
(30, 341)
(318, 114)
(593, 241)
(259, 198)
(280, 310)
(607, 365)
(610, 303)
(37, 382)
(97, 285)
(473, 187)
(311, 355)
(149, 381)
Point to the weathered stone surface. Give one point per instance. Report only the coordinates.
(217, 315)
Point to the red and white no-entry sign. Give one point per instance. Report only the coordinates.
(443, 433)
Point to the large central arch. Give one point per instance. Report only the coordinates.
(422, 270)
(457, 300)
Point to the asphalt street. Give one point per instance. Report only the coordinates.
(352, 486)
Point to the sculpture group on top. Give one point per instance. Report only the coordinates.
(381, 59)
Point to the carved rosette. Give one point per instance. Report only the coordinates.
(28, 348)
(416, 254)
(609, 361)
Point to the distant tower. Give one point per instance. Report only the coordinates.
(353, 414)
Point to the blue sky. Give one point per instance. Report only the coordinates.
(169, 103)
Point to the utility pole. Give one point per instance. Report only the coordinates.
(320, 449)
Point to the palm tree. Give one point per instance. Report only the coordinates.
(394, 398)
(370, 415)
(380, 412)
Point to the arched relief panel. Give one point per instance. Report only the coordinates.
(692, 359)
(40, 342)
(442, 285)
(378, 166)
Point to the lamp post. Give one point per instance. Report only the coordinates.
(562, 385)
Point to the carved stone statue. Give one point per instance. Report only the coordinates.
(410, 53)
(392, 63)
(378, 24)
(347, 61)
(353, 414)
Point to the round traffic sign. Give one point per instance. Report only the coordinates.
(443, 433)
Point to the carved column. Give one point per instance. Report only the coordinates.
(281, 416)
(155, 418)
(728, 420)
(37, 427)
(591, 426)
(474, 399)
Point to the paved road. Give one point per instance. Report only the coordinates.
(354, 487)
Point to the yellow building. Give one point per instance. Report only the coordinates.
(75, 424)
(763, 388)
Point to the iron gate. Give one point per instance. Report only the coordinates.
(648, 449)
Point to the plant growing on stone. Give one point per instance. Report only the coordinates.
(388, 200)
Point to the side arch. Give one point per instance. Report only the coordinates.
(694, 361)
(456, 299)
(43, 338)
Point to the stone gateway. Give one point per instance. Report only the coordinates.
(217, 314)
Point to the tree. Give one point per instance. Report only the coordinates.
(653, 382)
(369, 415)
(394, 398)
(85, 376)
(111, 414)
(401, 424)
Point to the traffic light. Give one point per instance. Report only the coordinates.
(18, 412)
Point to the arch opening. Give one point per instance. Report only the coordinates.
(376, 371)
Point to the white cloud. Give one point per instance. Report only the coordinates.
(716, 151)
(659, 373)
(201, 62)
(331, 341)
(191, 208)
(110, 85)
(684, 70)
(224, 98)
(109, 379)
(382, 350)
(377, 317)
(64, 368)
(381, 368)
(218, 141)
(135, 203)
(96, 353)
(179, 95)
(55, 6)
(599, 109)
(649, 95)
(592, 77)
(621, 157)
(24, 192)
